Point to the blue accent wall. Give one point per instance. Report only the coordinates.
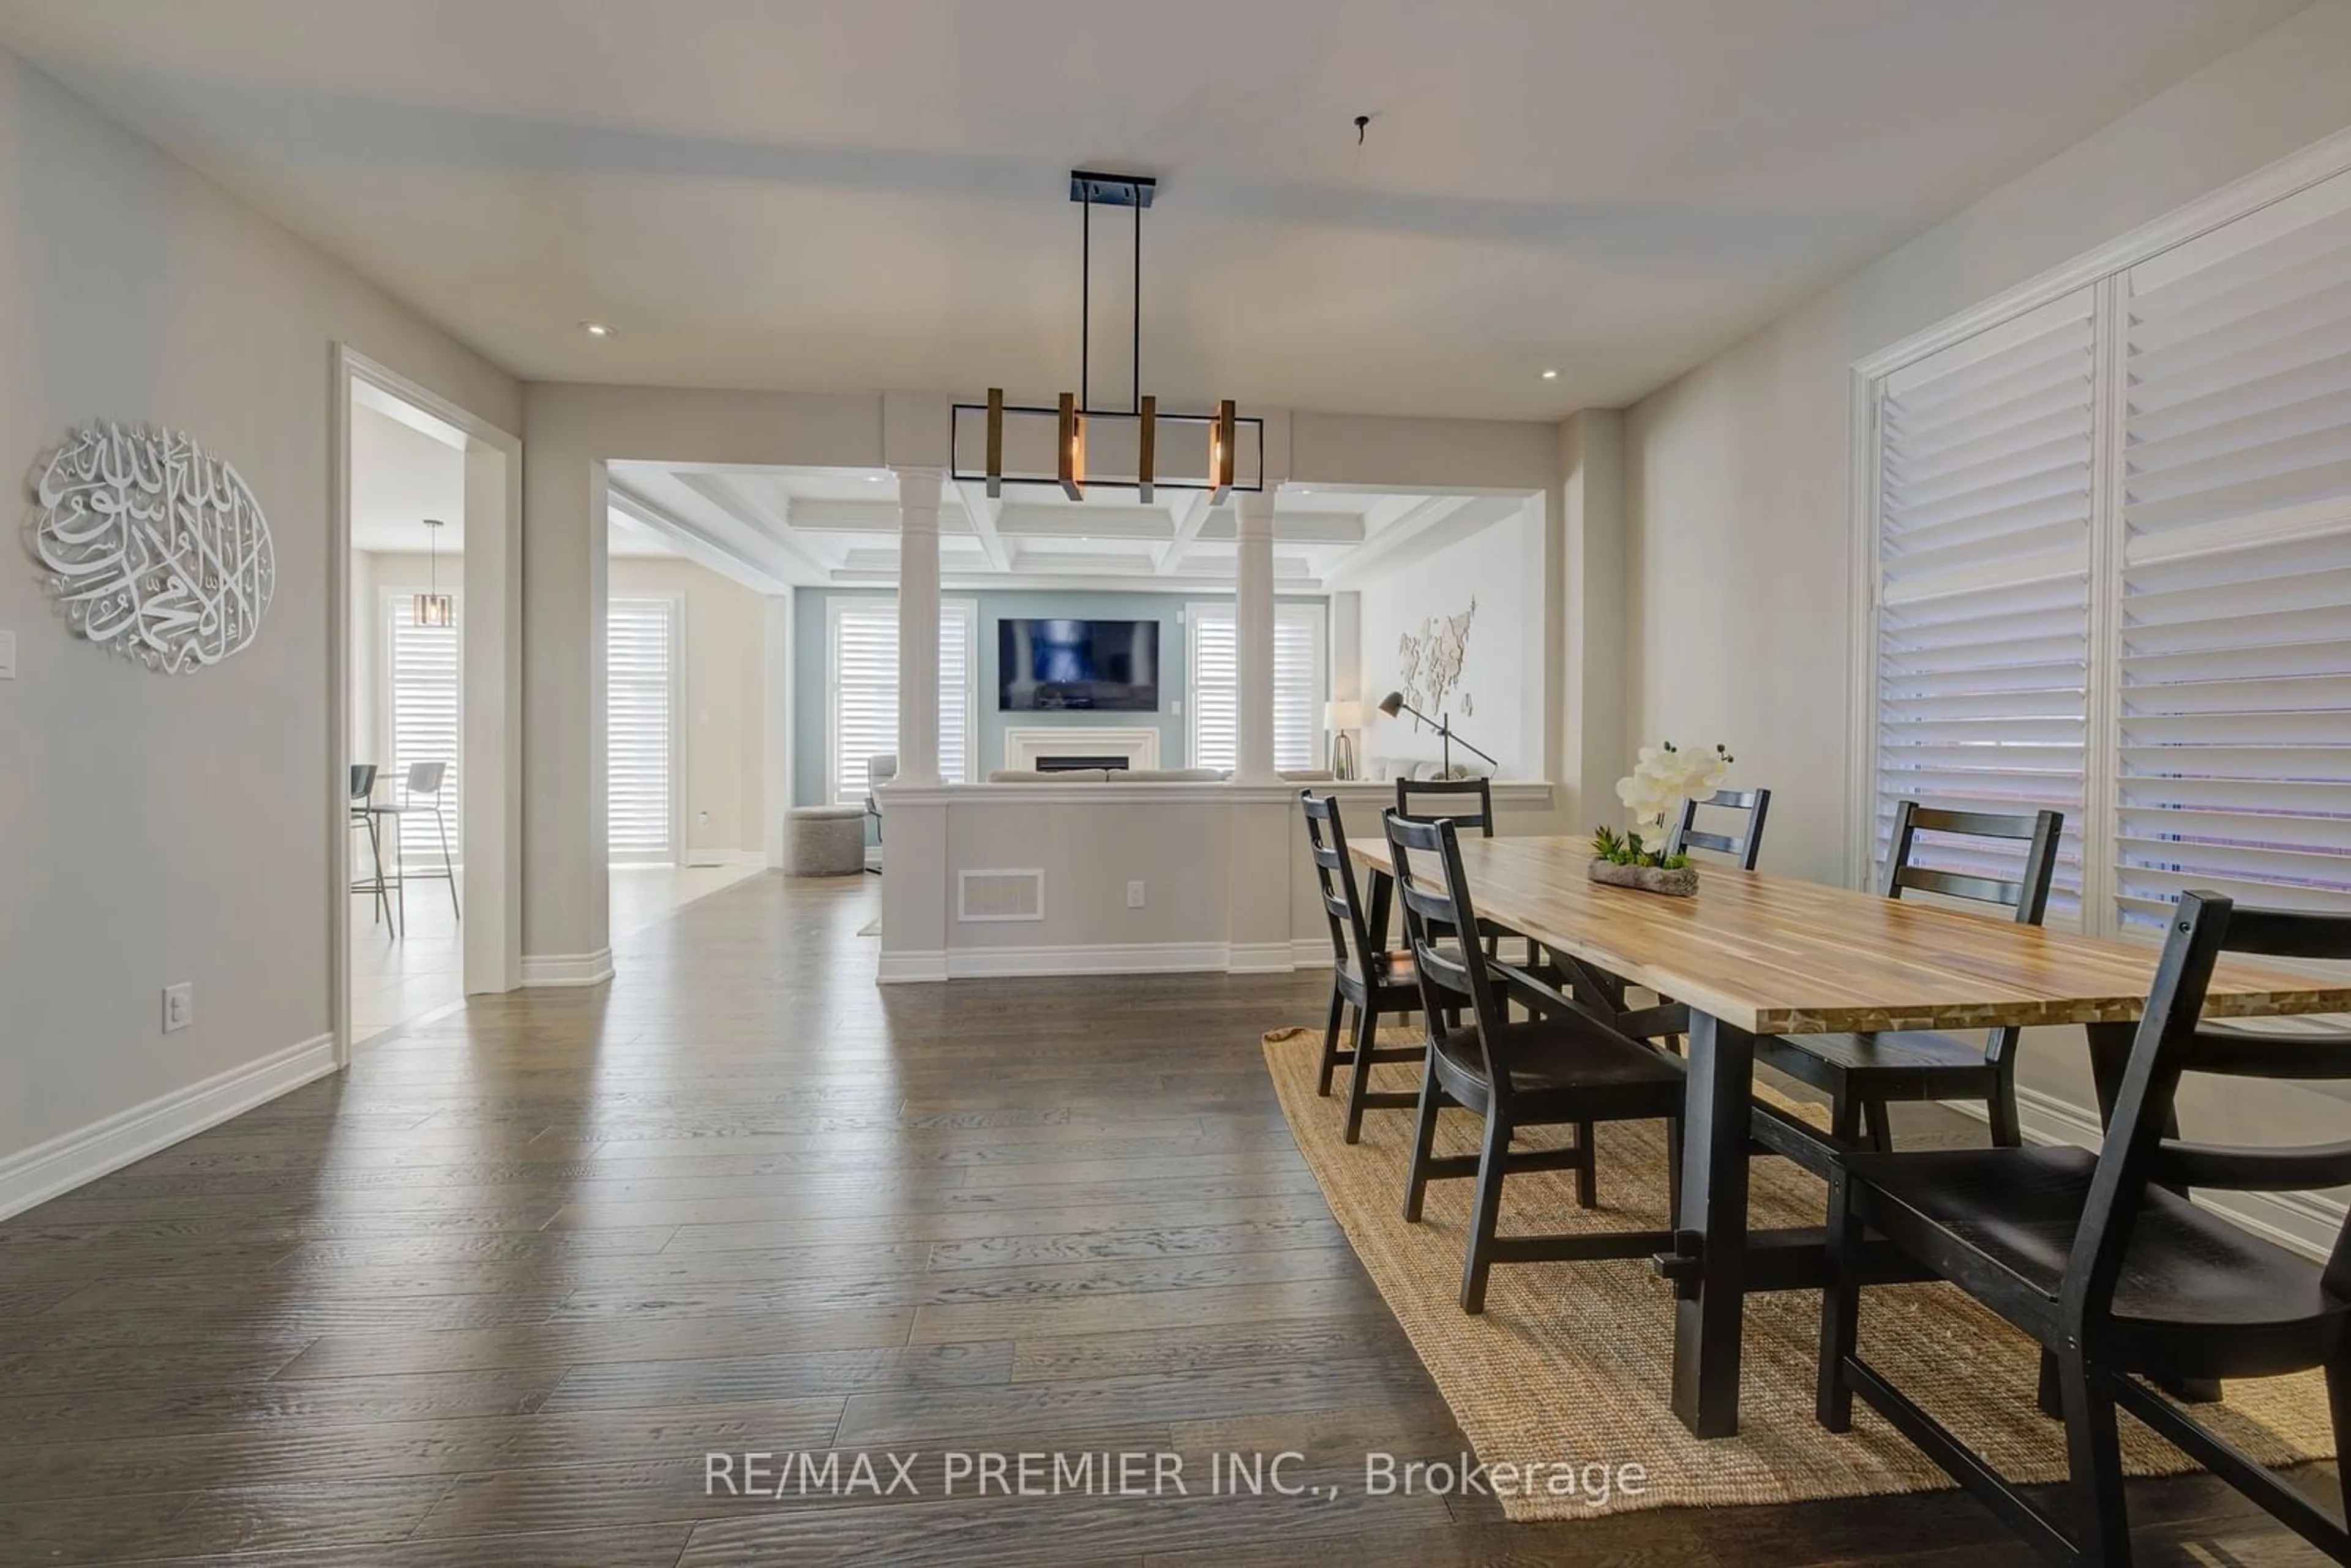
(810, 665)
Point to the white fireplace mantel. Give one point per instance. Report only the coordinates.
(1026, 745)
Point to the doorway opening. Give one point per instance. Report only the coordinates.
(426, 893)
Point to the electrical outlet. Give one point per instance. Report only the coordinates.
(1135, 895)
(179, 1006)
(702, 818)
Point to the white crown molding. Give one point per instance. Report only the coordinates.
(76, 1158)
(568, 968)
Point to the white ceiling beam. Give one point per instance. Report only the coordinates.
(778, 531)
(1417, 519)
(984, 510)
(693, 544)
(1085, 521)
(1191, 512)
(1420, 533)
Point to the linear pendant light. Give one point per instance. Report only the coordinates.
(1074, 416)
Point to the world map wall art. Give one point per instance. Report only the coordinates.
(1429, 661)
(154, 548)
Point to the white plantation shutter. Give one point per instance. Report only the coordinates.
(640, 651)
(1214, 698)
(959, 642)
(1297, 685)
(1985, 461)
(1212, 658)
(864, 691)
(2234, 624)
(426, 723)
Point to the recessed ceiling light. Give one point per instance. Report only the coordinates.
(596, 328)
(1550, 376)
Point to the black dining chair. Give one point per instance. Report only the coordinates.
(1430, 800)
(1564, 1070)
(1363, 974)
(1863, 1073)
(1742, 846)
(2104, 1260)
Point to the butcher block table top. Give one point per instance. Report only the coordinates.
(1774, 954)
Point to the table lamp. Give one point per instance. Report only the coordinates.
(1394, 703)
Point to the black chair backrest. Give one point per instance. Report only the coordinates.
(424, 777)
(2028, 895)
(1326, 844)
(1741, 847)
(2173, 1039)
(1427, 800)
(1434, 894)
(363, 781)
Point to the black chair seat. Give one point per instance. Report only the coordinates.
(1564, 1063)
(1898, 1064)
(2197, 1296)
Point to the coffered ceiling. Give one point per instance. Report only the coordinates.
(775, 527)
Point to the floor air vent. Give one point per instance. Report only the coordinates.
(999, 896)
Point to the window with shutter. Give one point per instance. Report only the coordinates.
(864, 691)
(2113, 569)
(1213, 700)
(1985, 461)
(2234, 625)
(425, 666)
(640, 729)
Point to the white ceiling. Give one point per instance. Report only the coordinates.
(830, 196)
(773, 527)
(401, 473)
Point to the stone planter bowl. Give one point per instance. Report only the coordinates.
(1682, 883)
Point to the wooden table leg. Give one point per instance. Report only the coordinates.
(1713, 1219)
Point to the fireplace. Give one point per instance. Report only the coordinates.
(1058, 747)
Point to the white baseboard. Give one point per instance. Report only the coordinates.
(2303, 1221)
(727, 857)
(568, 968)
(1260, 957)
(1104, 958)
(74, 1159)
(911, 967)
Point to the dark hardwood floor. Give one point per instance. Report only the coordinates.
(493, 1297)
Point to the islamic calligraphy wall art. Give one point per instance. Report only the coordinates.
(154, 548)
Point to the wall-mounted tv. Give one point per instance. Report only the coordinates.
(1077, 666)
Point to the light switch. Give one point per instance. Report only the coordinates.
(7, 655)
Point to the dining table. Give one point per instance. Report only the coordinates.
(1754, 953)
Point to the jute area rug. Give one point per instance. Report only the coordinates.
(1571, 1361)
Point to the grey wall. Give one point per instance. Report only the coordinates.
(159, 829)
(810, 664)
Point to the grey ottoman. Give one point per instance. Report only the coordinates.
(825, 841)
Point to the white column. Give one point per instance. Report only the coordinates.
(918, 626)
(1253, 622)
